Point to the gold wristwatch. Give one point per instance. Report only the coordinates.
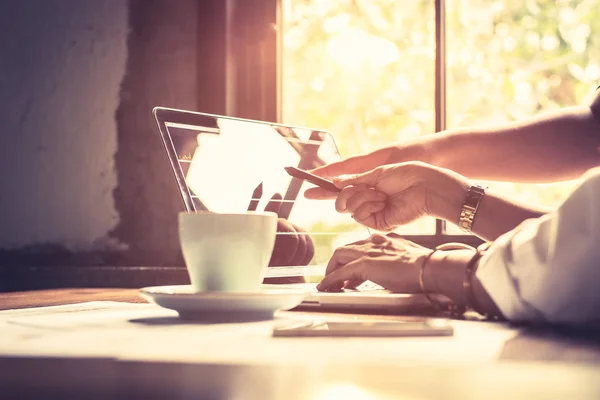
(470, 206)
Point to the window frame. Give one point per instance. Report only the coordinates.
(440, 236)
(225, 86)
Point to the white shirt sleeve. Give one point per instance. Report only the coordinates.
(548, 269)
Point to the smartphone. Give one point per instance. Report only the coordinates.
(415, 327)
(307, 176)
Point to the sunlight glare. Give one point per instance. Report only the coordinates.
(355, 50)
(592, 72)
(346, 391)
(350, 391)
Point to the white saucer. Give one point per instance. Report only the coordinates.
(222, 306)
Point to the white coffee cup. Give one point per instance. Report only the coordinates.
(227, 252)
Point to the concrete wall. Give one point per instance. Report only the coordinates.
(81, 165)
(61, 64)
(162, 70)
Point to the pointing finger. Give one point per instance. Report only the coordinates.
(349, 166)
(369, 178)
(353, 271)
(342, 256)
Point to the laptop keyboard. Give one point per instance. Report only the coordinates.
(368, 286)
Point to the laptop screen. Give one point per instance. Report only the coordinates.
(225, 164)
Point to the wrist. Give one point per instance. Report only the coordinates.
(444, 273)
(447, 195)
(420, 149)
(430, 275)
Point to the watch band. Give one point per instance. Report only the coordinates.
(470, 206)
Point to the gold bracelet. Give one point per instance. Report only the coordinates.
(468, 282)
(434, 303)
(454, 308)
(470, 272)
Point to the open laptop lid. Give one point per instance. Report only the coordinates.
(225, 164)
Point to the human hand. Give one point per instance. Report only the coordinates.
(387, 260)
(418, 149)
(393, 195)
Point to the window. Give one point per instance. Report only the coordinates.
(348, 67)
(365, 70)
(516, 59)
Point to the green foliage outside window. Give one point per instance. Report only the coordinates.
(364, 69)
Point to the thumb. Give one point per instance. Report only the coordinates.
(369, 178)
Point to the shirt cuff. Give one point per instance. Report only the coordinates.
(494, 275)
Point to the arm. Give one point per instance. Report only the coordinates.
(444, 274)
(545, 270)
(552, 147)
(547, 148)
(405, 192)
(495, 216)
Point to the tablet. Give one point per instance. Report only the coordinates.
(409, 327)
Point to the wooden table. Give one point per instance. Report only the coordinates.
(44, 298)
(538, 363)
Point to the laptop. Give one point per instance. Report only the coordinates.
(226, 164)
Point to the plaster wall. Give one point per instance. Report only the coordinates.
(61, 64)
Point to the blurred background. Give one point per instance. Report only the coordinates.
(364, 70)
(86, 193)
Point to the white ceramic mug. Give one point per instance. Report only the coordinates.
(227, 252)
